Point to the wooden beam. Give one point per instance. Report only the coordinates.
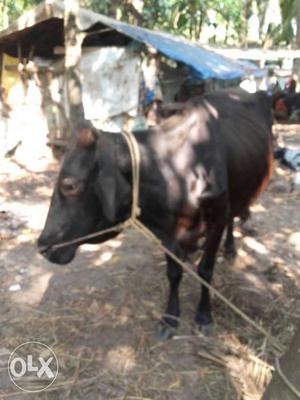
(73, 41)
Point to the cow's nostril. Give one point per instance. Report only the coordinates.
(43, 245)
(43, 249)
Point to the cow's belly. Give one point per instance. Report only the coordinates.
(188, 233)
(248, 177)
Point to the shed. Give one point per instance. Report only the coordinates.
(41, 30)
(38, 36)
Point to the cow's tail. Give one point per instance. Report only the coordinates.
(265, 109)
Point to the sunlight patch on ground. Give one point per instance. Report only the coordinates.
(277, 288)
(255, 281)
(294, 239)
(105, 256)
(114, 243)
(247, 258)
(99, 247)
(44, 191)
(35, 292)
(287, 230)
(98, 255)
(258, 208)
(279, 235)
(237, 234)
(255, 245)
(33, 214)
(26, 236)
(121, 359)
(102, 253)
(280, 171)
(87, 248)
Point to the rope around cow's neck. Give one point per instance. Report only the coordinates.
(135, 157)
(133, 221)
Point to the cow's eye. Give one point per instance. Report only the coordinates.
(70, 187)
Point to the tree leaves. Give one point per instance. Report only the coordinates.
(186, 18)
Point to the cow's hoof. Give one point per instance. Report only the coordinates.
(206, 330)
(204, 323)
(164, 332)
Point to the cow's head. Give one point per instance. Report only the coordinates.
(86, 197)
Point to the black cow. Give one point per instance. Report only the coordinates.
(199, 170)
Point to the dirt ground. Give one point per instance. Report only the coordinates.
(99, 313)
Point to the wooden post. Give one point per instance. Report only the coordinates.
(73, 42)
(296, 66)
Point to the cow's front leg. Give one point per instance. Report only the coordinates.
(205, 270)
(174, 273)
(230, 250)
(170, 318)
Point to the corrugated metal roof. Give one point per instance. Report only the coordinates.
(204, 63)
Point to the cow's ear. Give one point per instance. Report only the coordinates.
(106, 181)
(85, 135)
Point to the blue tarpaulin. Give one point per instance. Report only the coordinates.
(252, 69)
(205, 63)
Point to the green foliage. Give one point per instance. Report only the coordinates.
(99, 6)
(185, 17)
(288, 10)
(283, 34)
(12, 9)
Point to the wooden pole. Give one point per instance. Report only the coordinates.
(73, 42)
(296, 66)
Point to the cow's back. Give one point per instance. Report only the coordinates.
(245, 122)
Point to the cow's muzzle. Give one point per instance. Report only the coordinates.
(62, 255)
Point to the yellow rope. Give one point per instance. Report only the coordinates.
(135, 156)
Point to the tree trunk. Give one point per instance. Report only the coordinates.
(297, 5)
(246, 12)
(273, 18)
(5, 16)
(226, 32)
(290, 366)
(296, 66)
(199, 26)
(134, 8)
(73, 42)
(113, 7)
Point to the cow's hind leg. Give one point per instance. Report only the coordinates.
(230, 250)
(205, 271)
(170, 318)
